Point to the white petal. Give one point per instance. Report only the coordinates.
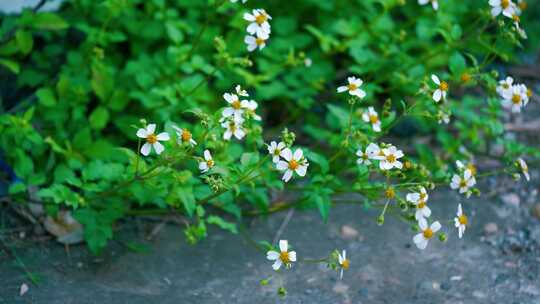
(301, 170)
(207, 155)
(145, 149)
(158, 147)
(292, 256)
(164, 136)
(283, 245)
(281, 165)
(249, 17)
(272, 255)
(298, 154)
(435, 226)
(437, 95)
(435, 79)
(342, 89)
(141, 133)
(203, 166)
(277, 264)
(287, 176)
(422, 244)
(422, 223)
(418, 238)
(286, 154)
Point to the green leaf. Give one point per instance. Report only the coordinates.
(456, 32)
(185, 194)
(46, 97)
(48, 21)
(99, 118)
(457, 64)
(11, 65)
(24, 40)
(221, 223)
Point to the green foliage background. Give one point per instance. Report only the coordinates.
(76, 82)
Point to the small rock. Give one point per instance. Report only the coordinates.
(348, 232)
(511, 199)
(24, 289)
(536, 210)
(456, 278)
(436, 285)
(340, 288)
(66, 228)
(491, 228)
(478, 294)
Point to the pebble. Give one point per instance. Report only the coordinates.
(536, 210)
(340, 288)
(511, 199)
(478, 294)
(349, 233)
(491, 228)
(24, 289)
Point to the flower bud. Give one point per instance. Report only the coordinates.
(380, 220)
(442, 237)
(390, 193)
(282, 291)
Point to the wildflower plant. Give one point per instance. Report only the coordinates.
(247, 99)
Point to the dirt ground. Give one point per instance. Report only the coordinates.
(497, 263)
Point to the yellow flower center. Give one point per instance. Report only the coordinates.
(186, 135)
(529, 92)
(463, 219)
(236, 104)
(284, 257)
(151, 139)
(443, 86)
(293, 164)
(462, 184)
(390, 193)
(232, 126)
(505, 3)
(472, 168)
(516, 99)
(522, 5)
(515, 18)
(428, 233)
(391, 158)
(421, 204)
(277, 152)
(465, 77)
(259, 41)
(352, 87)
(505, 86)
(261, 18)
(365, 156)
(373, 118)
(423, 196)
(345, 264)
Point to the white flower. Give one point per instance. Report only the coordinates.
(275, 150)
(434, 3)
(389, 158)
(233, 128)
(372, 117)
(504, 86)
(259, 23)
(460, 221)
(419, 199)
(152, 140)
(506, 7)
(373, 151)
(421, 239)
(240, 91)
(253, 43)
(293, 163)
(250, 106)
(236, 108)
(515, 98)
(234, 1)
(343, 262)
(353, 87)
(184, 136)
(470, 166)
(363, 158)
(524, 168)
(283, 257)
(208, 162)
(463, 182)
(442, 88)
(308, 62)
